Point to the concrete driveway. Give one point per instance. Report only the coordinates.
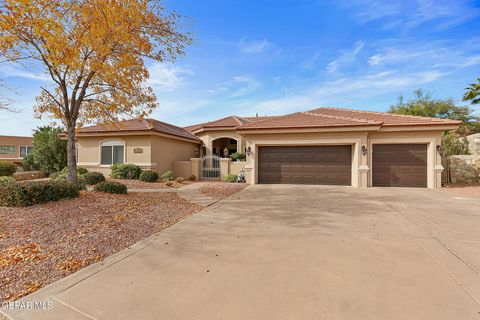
(292, 252)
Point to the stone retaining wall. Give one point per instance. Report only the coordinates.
(465, 168)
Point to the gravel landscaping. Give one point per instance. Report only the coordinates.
(137, 184)
(43, 243)
(465, 189)
(220, 190)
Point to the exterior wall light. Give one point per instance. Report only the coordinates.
(364, 150)
(197, 152)
(440, 149)
(248, 151)
(225, 152)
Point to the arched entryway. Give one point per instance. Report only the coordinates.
(220, 146)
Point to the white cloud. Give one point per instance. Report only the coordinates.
(411, 14)
(248, 84)
(441, 54)
(238, 86)
(345, 57)
(11, 70)
(346, 90)
(165, 77)
(254, 47)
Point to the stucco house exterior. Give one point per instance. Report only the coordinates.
(329, 146)
(14, 148)
(148, 143)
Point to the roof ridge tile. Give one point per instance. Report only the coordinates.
(381, 113)
(344, 118)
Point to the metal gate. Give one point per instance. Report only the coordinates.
(211, 167)
(446, 174)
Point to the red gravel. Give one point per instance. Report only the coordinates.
(220, 190)
(43, 243)
(137, 184)
(466, 189)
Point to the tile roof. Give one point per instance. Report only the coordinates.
(230, 122)
(336, 117)
(388, 119)
(140, 125)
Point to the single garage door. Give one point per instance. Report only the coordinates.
(399, 165)
(329, 165)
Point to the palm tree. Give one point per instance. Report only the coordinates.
(473, 92)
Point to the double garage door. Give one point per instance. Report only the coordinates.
(331, 165)
(393, 165)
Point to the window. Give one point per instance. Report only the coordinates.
(24, 150)
(8, 150)
(112, 152)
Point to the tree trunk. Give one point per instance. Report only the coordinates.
(72, 156)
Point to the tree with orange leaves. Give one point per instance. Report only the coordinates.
(95, 52)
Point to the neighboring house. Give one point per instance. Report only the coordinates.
(148, 143)
(328, 146)
(13, 148)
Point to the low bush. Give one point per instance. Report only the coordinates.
(20, 194)
(29, 175)
(192, 178)
(169, 183)
(125, 171)
(111, 187)
(5, 180)
(231, 177)
(80, 171)
(167, 176)
(28, 163)
(7, 168)
(62, 177)
(148, 176)
(238, 156)
(92, 178)
(180, 179)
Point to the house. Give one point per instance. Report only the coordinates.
(148, 143)
(14, 148)
(329, 146)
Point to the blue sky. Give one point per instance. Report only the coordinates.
(276, 57)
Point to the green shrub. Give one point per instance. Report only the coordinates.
(7, 168)
(167, 176)
(5, 180)
(111, 187)
(192, 178)
(49, 152)
(92, 178)
(238, 156)
(29, 164)
(20, 194)
(80, 171)
(231, 177)
(62, 177)
(125, 171)
(148, 176)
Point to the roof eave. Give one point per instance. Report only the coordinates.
(135, 133)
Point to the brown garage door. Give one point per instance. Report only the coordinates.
(399, 165)
(330, 165)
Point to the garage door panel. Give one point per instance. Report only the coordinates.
(306, 165)
(399, 165)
